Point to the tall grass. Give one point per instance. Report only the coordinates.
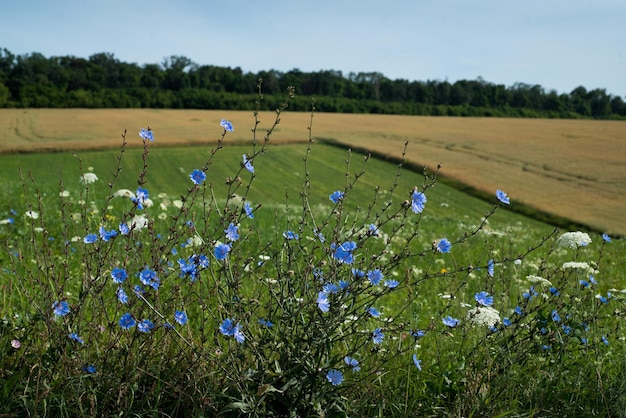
(290, 284)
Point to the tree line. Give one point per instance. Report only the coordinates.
(103, 81)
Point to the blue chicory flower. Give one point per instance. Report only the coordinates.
(290, 235)
(197, 176)
(391, 283)
(418, 333)
(322, 302)
(335, 377)
(61, 308)
(106, 235)
(146, 134)
(375, 276)
(121, 295)
(231, 329)
(418, 201)
(124, 229)
(248, 164)
(248, 210)
(180, 317)
(418, 363)
(140, 197)
(330, 288)
(228, 127)
(149, 277)
(266, 323)
(90, 368)
(378, 336)
(75, 337)
(490, 268)
(450, 321)
(336, 196)
(502, 197)
(127, 321)
(373, 312)
(352, 362)
(359, 274)
(145, 326)
(343, 252)
(443, 246)
(232, 232)
(483, 298)
(119, 275)
(221, 251)
(90, 238)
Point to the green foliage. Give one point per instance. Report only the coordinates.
(317, 217)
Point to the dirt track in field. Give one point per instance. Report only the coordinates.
(573, 169)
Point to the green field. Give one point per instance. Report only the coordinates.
(570, 169)
(535, 365)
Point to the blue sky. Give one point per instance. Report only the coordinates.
(559, 44)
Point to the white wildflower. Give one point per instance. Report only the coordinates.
(483, 315)
(124, 193)
(573, 240)
(64, 193)
(196, 241)
(577, 265)
(31, 214)
(88, 178)
(162, 216)
(139, 222)
(177, 204)
(538, 280)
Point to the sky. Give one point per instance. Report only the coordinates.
(558, 44)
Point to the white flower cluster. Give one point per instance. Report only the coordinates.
(31, 214)
(578, 265)
(483, 315)
(538, 280)
(88, 178)
(573, 240)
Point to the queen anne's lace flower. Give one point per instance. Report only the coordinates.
(483, 315)
(573, 240)
(577, 265)
(538, 280)
(88, 178)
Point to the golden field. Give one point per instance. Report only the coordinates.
(573, 169)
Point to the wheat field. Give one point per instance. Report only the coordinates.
(575, 169)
